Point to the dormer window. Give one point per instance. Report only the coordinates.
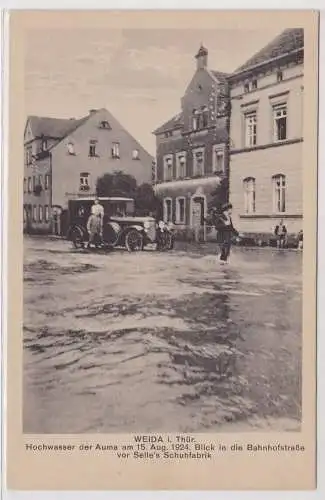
(104, 124)
(246, 88)
(254, 84)
(279, 76)
(70, 147)
(43, 145)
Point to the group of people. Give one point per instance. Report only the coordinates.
(222, 221)
(281, 234)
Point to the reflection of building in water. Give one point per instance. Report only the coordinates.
(266, 130)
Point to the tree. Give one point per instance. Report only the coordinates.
(116, 184)
(145, 200)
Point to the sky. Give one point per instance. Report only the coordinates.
(140, 75)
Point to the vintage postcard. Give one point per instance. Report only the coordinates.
(162, 190)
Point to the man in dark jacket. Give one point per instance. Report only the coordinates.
(225, 231)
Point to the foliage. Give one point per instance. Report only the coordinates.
(116, 184)
(121, 184)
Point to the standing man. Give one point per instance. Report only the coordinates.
(280, 232)
(225, 232)
(98, 210)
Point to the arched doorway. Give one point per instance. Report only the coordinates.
(198, 215)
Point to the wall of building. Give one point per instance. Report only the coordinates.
(267, 158)
(262, 165)
(43, 199)
(289, 91)
(67, 168)
(203, 138)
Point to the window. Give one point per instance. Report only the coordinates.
(280, 122)
(29, 184)
(135, 154)
(70, 147)
(153, 171)
(84, 181)
(105, 124)
(279, 192)
(195, 120)
(46, 213)
(168, 210)
(180, 210)
(115, 150)
(205, 117)
(92, 148)
(246, 88)
(47, 181)
(43, 145)
(34, 182)
(25, 185)
(40, 213)
(168, 168)
(181, 165)
(279, 76)
(254, 84)
(249, 195)
(29, 155)
(250, 129)
(198, 162)
(34, 213)
(40, 180)
(218, 159)
(169, 133)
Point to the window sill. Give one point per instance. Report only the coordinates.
(273, 215)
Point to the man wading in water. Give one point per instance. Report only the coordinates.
(225, 232)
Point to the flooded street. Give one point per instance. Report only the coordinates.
(160, 341)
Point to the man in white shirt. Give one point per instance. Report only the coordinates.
(98, 210)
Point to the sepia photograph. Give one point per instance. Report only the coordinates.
(161, 262)
(163, 230)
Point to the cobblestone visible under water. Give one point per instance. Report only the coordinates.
(160, 341)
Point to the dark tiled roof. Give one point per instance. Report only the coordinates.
(176, 122)
(287, 41)
(54, 127)
(222, 77)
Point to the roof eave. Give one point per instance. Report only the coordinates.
(264, 63)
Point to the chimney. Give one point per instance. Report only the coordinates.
(202, 58)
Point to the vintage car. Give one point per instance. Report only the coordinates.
(120, 227)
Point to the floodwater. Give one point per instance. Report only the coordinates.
(160, 341)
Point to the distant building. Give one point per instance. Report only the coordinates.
(65, 157)
(266, 135)
(192, 149)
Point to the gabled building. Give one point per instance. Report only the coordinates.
(266, 137)
(192, 149)
(65, 157)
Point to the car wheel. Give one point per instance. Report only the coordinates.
(134, 241)
(77, 238)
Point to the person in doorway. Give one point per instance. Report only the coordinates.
(225, 232)
(280, 232)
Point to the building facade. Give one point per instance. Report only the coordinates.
(64, 158)
(266, 137)
(192, 150)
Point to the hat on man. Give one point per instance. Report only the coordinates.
(226, 206)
